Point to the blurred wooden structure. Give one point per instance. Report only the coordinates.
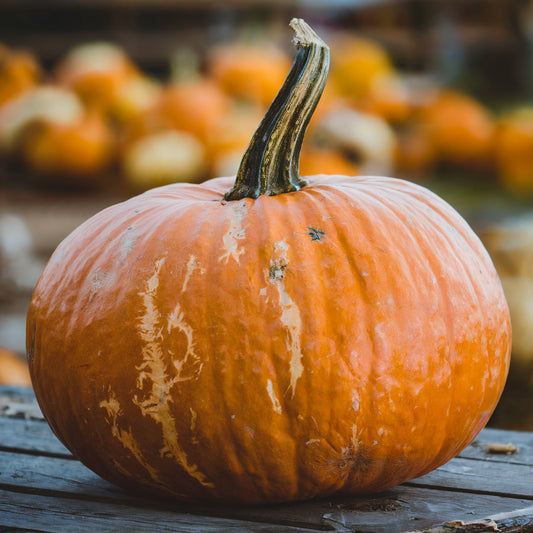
(494, 35)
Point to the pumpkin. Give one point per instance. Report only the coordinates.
(510, 244)
(248, 71)
(367, 138)
(358, 65)
(461, 129)
(133, 99)
(82, 148)
(514, 151)
(13, 371)
(19, 71)
(388, 98)
(194, 105)
(415, 152)
(275, 340)
(320, 160)
(96, 71)
(162, 158)
(41, 104)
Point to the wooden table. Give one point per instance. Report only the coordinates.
(487, 488)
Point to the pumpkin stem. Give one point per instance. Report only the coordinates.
(271, 163)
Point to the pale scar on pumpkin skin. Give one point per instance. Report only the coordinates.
(236, 213)
(99, 280)
(112, 407)
(192, 265)
(290, 315)
(128, 242)
(276, 405)
(156, 401)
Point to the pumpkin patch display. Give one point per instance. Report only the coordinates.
(269, 338)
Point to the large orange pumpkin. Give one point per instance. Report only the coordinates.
(287, 339)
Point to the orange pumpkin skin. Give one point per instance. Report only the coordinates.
(268, 350)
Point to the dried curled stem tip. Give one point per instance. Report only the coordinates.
(304, 35)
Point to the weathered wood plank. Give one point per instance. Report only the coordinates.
(485, 477)
(19, 402)
(422, 511)
(29, 436)
(407, 507)
(46, 513)
(519, 521)
(33, 472)
(480, 448)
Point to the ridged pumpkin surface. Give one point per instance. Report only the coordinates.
(342, 338)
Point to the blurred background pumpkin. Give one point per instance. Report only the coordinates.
(102, 101)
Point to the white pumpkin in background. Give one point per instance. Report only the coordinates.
(96, 72)
(44, 103)
(510, 244)
(366, 137)
(163, 158)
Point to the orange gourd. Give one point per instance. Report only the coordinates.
(461, 129)
(358, 65)
(194, 105)
(276, 340)
(248, 71)
(415, 153)
(318, 160)
(96, 72)
(13, 371)
(81, 148)
(514, 151)
(19, 71)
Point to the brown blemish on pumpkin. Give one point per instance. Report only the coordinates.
(277, 270)
(31, 349)
(194, 416)
(315, 234)
(99, 280)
